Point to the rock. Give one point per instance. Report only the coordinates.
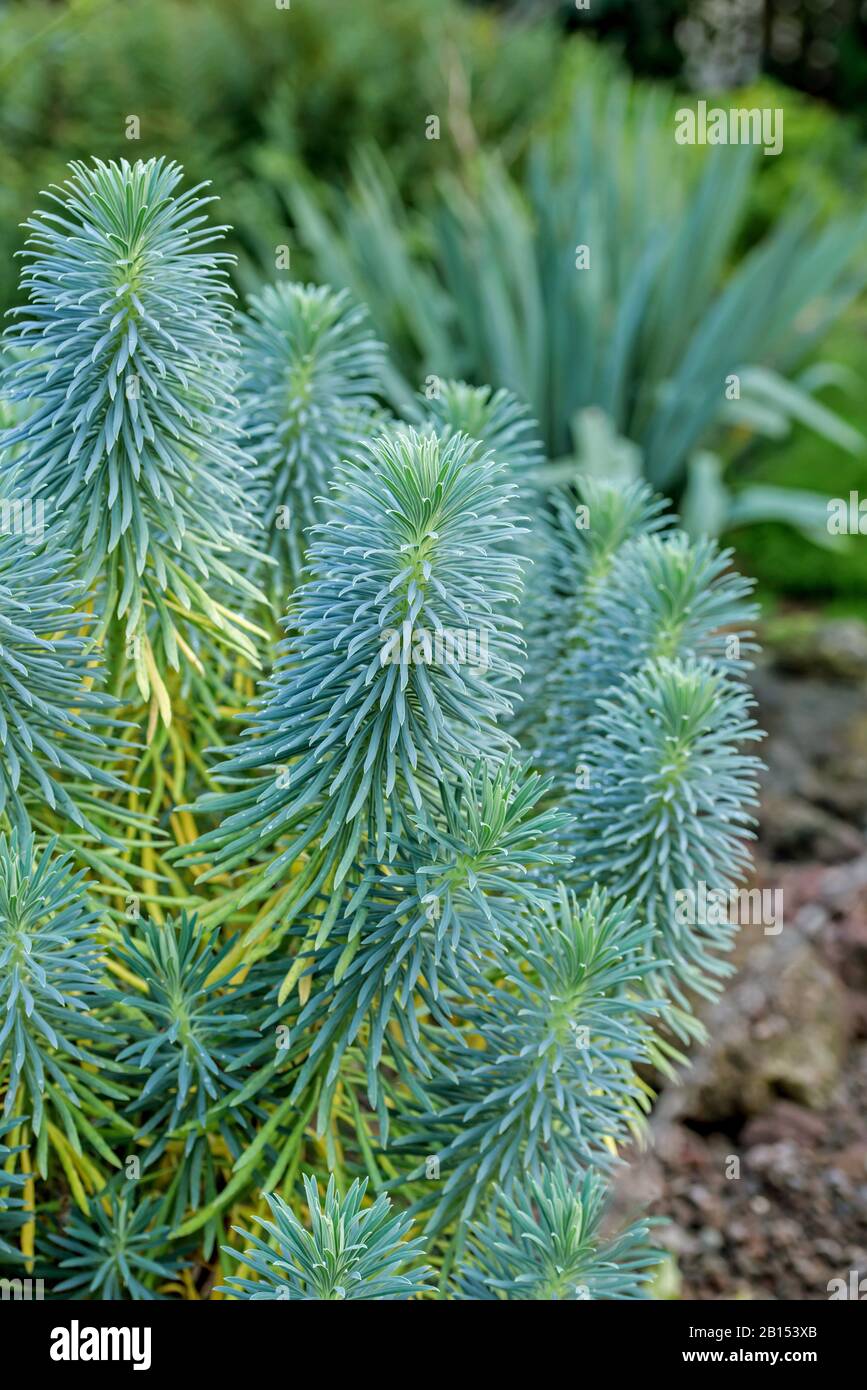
(794, 828)
(780, 1034)
(710, 1238)
(851, 942)
(852, 1162)
(835, 647)
(784, 1120)
(812, 919)
(840, 649)
(842, 888)
(777, 1163)
(814, 793)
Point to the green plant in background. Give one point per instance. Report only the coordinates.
(392, 968)
(606, 275)
(249, 95)
(257, 99)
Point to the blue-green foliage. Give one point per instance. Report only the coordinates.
(57, 734)
(543, 1069)
(125, 356)
(669, 597)
(190, 1031)
(498, 419)
(427, 926)
(381, 953)
(542, 1242)
(13, 1213)
(578, 537)
(119, 1251)
(54, 1048)
(311, 370)
(643, 715)
(360, 727)
(667, 805)
(350, 1251)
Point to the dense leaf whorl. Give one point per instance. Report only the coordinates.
(351, 1252)
(668, 804)
(50, 986)
(544, 1070)
(311, 370)
(544, 1242)
(126, 357)
(57, 733)
(401, 658)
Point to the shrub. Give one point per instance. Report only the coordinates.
(413, 957)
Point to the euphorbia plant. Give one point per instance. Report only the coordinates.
(399, 942)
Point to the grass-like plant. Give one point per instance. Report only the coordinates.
(607, 272)
(397, 948)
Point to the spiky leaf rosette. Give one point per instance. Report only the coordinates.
(188, 1024)
(578, 538)
(397, 667)
(53, 1054)
(119, 1251)
(667, 596)
(497, 419)
(667, 805)
(350, 1252)
(428, 929)
(13, 1213)
(57, 734)
(311, 370)
(543, 1242)
(544, 1068)
(126, 356)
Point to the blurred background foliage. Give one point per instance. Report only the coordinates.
(281, 107)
